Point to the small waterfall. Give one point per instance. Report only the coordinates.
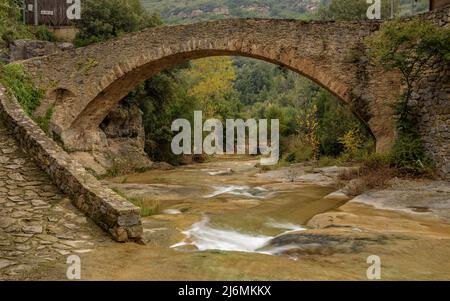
(204, 237)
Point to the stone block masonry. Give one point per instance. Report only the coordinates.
(108, 210)
(432, 98)
(87, 84)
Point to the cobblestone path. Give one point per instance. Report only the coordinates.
(39, 227)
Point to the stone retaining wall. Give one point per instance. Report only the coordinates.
(111, 212)
(432, 97)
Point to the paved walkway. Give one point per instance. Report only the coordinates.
(39, 227)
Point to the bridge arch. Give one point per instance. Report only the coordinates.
(98, 77)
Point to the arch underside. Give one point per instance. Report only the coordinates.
(96, 111)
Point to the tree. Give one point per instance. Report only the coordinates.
(106, 19)
(162, 99)
(211, 82)
(347, 10)
(11, 27)
(409, 47)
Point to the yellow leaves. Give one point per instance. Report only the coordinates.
(212, 76)
(211, 79)
(308, 122)
(352, 141)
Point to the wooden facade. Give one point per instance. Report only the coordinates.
(435, 4)
(49, 12)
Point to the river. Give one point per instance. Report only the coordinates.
(228, 220)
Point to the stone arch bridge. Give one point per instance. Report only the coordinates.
(83, 85)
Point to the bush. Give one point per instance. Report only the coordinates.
(296, 149)
(44, 121)
(42, 33)
(106, 19)
(15, 79)
(328, 161)
(408, 154)
(11, 27)
(352, 142)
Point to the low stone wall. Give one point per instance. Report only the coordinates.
(107, 209)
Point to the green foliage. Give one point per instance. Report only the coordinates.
(352, 142)
(42, 33)
(348, 10)
(328, 161)
(11, 27)
(148, 207)
(14, 77)
(211, 82)
(163, 99)
(223, 87)
(375, 160)
(297, 149)
(409, 47)
(335, 121)
(408, 154)
(175, 11)
(106, 19)
(44, 121)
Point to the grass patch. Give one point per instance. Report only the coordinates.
(15, 79)
(43, 122)
(148, 206)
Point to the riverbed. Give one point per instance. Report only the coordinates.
(230, 220)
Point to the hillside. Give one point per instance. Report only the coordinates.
(175, 11)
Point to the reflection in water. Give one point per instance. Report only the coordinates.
(205, 237)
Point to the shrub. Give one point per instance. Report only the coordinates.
(15, 79)
(408, 154)
(352, 142)
(42, 33)
(328, 161)
(44, 121)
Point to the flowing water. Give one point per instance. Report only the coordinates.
(227, 205)
(227, 220)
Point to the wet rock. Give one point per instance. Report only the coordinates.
(313, 244)
(338, 195)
